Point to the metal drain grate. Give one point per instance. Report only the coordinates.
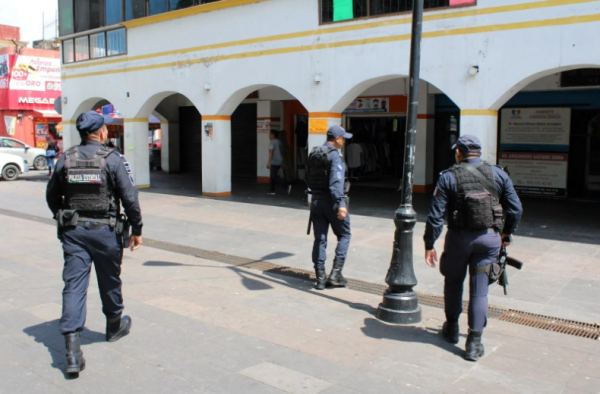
(549, 323)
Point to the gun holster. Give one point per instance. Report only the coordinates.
(123, 230)
(67, 218)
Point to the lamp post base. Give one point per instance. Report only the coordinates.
(400, 308)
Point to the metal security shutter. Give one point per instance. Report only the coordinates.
(243, 142)
(190, 144)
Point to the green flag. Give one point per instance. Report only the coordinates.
(342, 10)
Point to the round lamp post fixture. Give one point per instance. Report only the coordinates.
(400, 302)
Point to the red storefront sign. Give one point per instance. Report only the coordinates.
(29, 82)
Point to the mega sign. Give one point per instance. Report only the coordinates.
(29, 82)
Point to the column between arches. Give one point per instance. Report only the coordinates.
(216, 155)
(482, 123)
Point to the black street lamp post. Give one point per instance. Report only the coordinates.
(400, 303)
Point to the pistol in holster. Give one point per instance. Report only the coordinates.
(123, 228)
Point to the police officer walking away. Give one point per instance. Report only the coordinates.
(84, 194)
(326, 179)
(475, 195)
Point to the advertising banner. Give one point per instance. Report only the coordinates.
(535, 129)
(537, 174)
(370, 104)
(30, 83)
(263, 126)
(11, 125)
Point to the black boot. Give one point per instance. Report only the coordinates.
(336, 277)
(474, 348)
(321, 278)
(450, 331)
(117, 328)
(75, 360)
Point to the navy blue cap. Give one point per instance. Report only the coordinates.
(90, 121)
(338, 131)
(468, 143)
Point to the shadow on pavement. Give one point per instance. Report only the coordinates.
(48, 335)
(375, 329)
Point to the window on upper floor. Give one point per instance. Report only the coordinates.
(341, 10)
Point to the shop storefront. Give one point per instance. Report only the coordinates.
(374, 156)
(29, 85)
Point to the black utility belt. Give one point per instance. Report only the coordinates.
(71, 218)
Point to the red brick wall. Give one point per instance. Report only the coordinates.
(9, 33)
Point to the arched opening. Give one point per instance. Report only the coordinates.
(105, 107)
(256, 111)
(548, 133)
(174, 143)
(374, 111)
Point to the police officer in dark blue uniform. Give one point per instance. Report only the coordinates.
(328, 185)
(483, 211)
(84, 194)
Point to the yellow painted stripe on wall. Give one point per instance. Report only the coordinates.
(326, 115)
(337, 29)
(365, 41)
(69, 122)
(215, 117)
(478, 112)
(136, 120)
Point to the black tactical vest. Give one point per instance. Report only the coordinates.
(319, 168)
(86, 183)
(475, 208)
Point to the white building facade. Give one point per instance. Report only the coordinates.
(220, 75)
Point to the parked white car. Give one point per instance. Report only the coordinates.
(36, 157)
(12, 166)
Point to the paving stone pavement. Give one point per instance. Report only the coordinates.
(204, 327)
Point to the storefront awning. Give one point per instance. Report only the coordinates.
(47, 114)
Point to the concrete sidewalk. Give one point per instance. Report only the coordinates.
(561, 276)
(206, 327)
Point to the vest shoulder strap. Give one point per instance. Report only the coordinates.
(482, 179)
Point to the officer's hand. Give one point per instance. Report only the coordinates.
(268, 166)
(506, 239)
(342, 213)
(135, 241)
(431, 257)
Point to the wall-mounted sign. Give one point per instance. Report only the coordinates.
(369, 104)
(580, 77)
(535, 129)
(263, 125)
(537, 174)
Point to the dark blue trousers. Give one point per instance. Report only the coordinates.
(464, 249)
(81, 247)
(324, 214)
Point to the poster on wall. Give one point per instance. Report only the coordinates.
(41, 134)
(535, 129)
(537, 174)
(11, 125)
(370, 104)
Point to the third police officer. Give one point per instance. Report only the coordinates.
(327, 182)
(85, 194)
(483, 210)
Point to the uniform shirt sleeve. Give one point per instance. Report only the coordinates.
(510, 202)
(54, 196)
(126, 191)
(336, 179)
(437, 210)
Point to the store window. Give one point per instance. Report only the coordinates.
(88, 15)
(114, 11)
(158, 6)
(181, 4)
(82, 48)
(98, 45)
(67, 47)
(135, 9)
(340, 10)
(65, 17)
(116, 42)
